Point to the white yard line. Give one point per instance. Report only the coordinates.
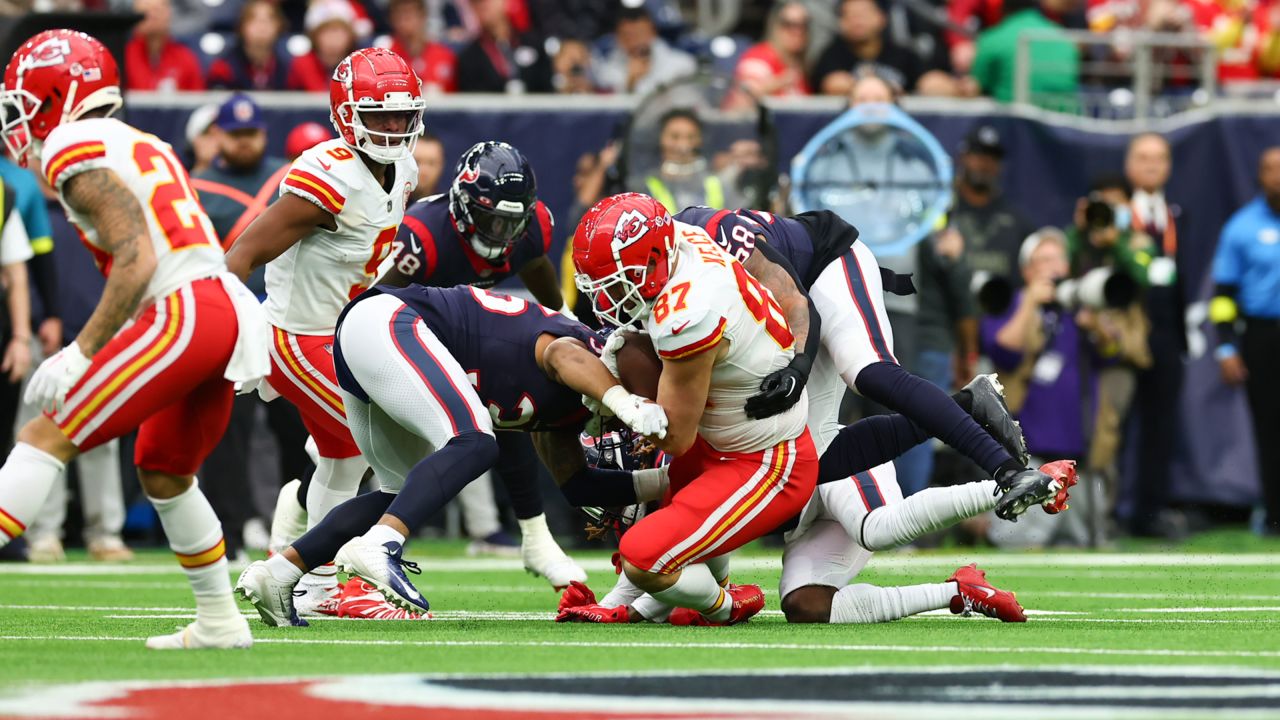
(770, 647)
(1046, 562)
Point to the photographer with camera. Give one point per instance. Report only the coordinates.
(1103, 237)
(1044, 347)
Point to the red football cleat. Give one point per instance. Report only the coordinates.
(363, 601)
(576, 595)
(747, 601)
(1064, 471)
(976, 594)
(594, 613)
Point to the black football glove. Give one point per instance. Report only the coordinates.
(780, 390)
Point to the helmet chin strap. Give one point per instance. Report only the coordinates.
(70, 104)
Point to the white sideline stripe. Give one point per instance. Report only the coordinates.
(1045, 562)
(1143, 652)
(535, 617)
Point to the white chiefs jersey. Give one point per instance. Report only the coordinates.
(185, 243)
(711, 299)
(310, 283)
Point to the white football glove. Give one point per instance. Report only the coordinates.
(609, 355)
(55, 377)
(637, 413)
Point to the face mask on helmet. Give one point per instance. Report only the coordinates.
(495, 231)
(615, 299)
(389, 132)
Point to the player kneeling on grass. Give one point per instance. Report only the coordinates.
(427, 375)
(171, 334)
(719, 333)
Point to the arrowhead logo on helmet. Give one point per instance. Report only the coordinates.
(55, 77)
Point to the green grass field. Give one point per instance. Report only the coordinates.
(1208, 607)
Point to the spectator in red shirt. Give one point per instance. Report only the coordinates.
(253, 62)
(776, 66)
(434, 63)
(155, 61)
(331, 25)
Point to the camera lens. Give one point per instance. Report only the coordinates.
(1099, 215)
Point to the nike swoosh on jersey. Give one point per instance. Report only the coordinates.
(417, 246)
(677, 329)
(324, 165)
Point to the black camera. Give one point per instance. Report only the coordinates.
(1098, 214)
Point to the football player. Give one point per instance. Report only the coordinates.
(323, 241)
(719, 334)
(818, 252)
(490, 225)
(427, 376)
(171, 334)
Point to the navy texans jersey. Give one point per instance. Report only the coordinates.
(809, 241)
(493, 338)
(429, 251)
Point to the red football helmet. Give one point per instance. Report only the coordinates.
(374, 80)
(622, 251)
(55, 77)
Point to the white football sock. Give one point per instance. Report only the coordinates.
(534, 530)
(719, 567)
(383, 534)
(697, 589)
(624, 592)
(334, 482)
(283, 570)
(927, 511)
(195, 536)
(871, 604)
(652, 609)
(25, 480)
(324, 576)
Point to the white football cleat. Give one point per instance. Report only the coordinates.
(384, 567)
(317, 595)
(543, 557)
(272, 598)
(289, 521)
(195, 637)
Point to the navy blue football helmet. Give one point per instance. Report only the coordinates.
(492, 198)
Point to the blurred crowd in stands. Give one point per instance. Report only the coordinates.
(796, 47)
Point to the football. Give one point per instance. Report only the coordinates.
(638, 365)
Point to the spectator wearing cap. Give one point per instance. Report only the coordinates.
(776, 67)
(1246, 269)
(253, 62)
(202, 139)
(237, 185)
(992, 228)
(640, 60)
(501, 59)
(153, 60)
(331, 26)
(862, 39)
(1054, 73)
(433, 62)
(304, 137)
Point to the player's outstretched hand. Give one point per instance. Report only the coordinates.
(781, 390)
(637, 413)
(55, 377)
